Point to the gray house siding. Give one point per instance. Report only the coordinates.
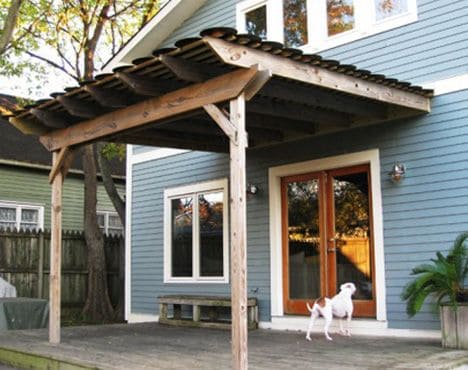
(421, 215)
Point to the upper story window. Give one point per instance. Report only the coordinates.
(109, 223)
(196, 233)
(315, 25)
(21, 216)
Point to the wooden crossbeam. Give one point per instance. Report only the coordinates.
(187, 99)
(242, 56)
(222, 121)
(58, 163)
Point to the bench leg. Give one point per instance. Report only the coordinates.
(196, 313)
(177, 312)
(163, 311)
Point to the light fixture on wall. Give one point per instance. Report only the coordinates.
(398, 172)
(252, 189)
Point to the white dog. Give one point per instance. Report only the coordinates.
(340, 305)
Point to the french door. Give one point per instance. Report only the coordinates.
(327, 237)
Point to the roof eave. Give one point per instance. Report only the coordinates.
(163, 24)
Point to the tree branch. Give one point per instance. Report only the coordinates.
(52, 63)
(10, 24)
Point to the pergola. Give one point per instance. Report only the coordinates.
(220, 92)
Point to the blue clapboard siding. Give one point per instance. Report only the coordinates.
(423, 214)
(430, 49)
(214, 13)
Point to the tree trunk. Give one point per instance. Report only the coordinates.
(109, 184)
(97, 306)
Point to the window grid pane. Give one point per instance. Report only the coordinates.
(182, 239)
(295, 23)
(210, 211)
(256, 22)
(340, 16)
(389, 8)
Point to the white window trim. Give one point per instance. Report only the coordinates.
(106, 214)
(275, 174)
(19, 206)
(210, 186)
(365, 23)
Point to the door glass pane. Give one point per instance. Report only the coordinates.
(389, 8)
(295, 22)
(182, 237)
(340, 16)
(352, 233)
(210, 209)
(256, 22)
(304, 239)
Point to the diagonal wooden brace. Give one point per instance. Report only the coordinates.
(62, 163)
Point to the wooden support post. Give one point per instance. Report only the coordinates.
(55, 255)
(238, 235)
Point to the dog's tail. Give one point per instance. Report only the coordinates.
(319, 301)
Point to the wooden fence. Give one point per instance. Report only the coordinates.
(25, 261)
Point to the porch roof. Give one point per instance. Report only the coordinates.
(160, 99)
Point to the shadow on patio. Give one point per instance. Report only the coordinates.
(153, 346)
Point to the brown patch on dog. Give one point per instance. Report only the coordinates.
(320, 301)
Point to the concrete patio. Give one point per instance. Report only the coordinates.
(153, 346)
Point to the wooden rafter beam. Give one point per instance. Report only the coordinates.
(107, 97)
(142, 85)
(319, 98)
(79, 108)
(242, 56)
(177, 102)
(140, 139)
(188, 70)
(28, 126)
(53, 119)
(296, 112)
(270, 122)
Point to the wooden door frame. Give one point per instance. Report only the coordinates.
(360, 306)
(299, 305)
(370, 156)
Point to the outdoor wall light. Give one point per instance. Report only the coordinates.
(252, 189)
(397, 172)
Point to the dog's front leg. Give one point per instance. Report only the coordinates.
(342, 332)
(313, 316)
(348, 330)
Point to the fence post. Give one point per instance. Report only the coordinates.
(40, 265)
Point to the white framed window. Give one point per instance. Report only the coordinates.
(196, 233)
(314, 25)
(109, 222)
(22, 216)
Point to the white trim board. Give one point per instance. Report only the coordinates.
(128, 233)
(448, 85)
(274, 184)
(134, 318)
(358, 327)
(156, 153)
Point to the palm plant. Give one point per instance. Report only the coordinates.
(444, 278)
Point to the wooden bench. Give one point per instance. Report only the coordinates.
(214, 303)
